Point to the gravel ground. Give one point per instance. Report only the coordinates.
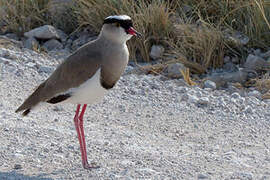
(146, 128)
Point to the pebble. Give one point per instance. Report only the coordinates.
(31, 64)
(235, 95)
(202, 176)
(255, 93)
(17, 166)
(210, 84)
(156, 51)
(242, 175)
(203, 101)
(248, 109)
(174, 70)
(192, 99)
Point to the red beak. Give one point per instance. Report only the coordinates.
(133, 32)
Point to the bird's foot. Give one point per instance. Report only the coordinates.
(90, 166)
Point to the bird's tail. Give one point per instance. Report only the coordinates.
(31, 101)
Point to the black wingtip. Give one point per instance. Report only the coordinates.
(59, 98)
(26, 112)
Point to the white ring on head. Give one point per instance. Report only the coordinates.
(119, 17)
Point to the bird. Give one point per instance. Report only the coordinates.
(87, 75)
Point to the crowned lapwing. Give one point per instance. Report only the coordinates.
(88, 74)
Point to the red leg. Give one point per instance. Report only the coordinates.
(85, 163)
(76, 123)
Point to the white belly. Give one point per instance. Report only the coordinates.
(89, 92)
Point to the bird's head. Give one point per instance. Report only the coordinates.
(119, 28)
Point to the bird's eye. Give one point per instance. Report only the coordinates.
(117, 24)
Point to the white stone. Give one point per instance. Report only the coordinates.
(255, 93)
(203, 101)
(210, 84)
(43, 32)
(236, 95)
(31, 43)
(174, 70)
(255, 63)
(52, 44)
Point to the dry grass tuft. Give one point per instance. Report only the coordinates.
(186, 76)
(198, 47)
(266, 95)
(263, 84)
(23, 15)
(250, 17)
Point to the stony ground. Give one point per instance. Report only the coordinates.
(146, 128)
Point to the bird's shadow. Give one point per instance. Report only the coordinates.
(14, 175)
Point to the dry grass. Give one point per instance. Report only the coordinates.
(199, 47)
(263, 84)
(248, 16)
(24, 15)
(186, 76)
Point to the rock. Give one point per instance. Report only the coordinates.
(257, 52)
(17, 166)
(238, 76)
(52, 44)
(210, 84)
(227, 59)
(235, 60)
(203, 101)
(156, 51)
(30, 43)
(63, 36)
(44, 32)
(12, 36)
(232, 89)
(236, 37)
(248, 109)
(256, 63)
(236, 95)
(193, 99)
(266, 55)
(255, 93)
(242, 176)
(202, 176)
(68, 43)
(222, 79)
(252, 75)
(230, 67)
(184, 97)
(173, 70)
(31, 65)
